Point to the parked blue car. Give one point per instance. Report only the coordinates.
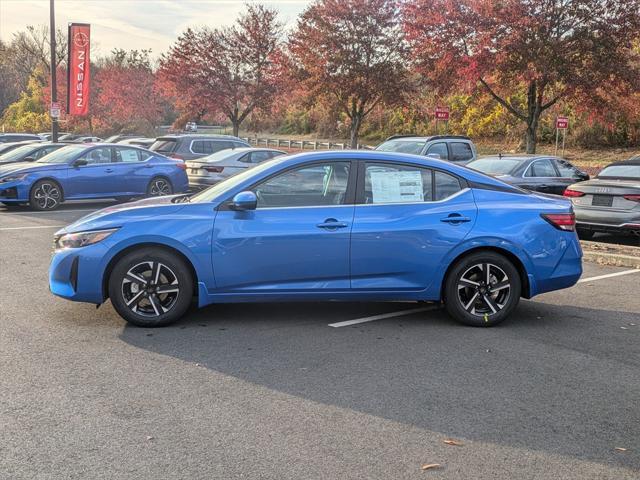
(91, 171)
(325, 226)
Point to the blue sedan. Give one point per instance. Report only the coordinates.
(325, 226)
(92, 171)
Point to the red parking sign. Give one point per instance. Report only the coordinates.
(562, 123)
(442, 113)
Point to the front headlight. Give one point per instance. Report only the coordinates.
(81, 239)
(13, 178)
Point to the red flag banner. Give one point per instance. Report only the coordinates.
(78, 70)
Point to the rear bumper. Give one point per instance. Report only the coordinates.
(567, 270)
(614, 221)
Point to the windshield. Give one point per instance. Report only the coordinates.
(494, 166)
(17, 153)
(62, 155)
(164, 145)
(403, 146)
(621, 171)
(228, 184)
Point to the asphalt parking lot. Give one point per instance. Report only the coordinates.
(313, 391)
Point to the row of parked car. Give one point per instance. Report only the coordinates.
(608, 203)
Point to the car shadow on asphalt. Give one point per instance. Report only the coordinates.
(553, 378)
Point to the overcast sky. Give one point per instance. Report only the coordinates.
(129, 24)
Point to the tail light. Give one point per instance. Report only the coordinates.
(633, 197)
(214, 169)
(573, 193)
(562, 221)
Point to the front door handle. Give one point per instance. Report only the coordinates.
(455, 218)
(332, 224)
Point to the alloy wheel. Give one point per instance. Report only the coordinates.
(160, 187)
(150, 289)
(484, 289)
(47, 196)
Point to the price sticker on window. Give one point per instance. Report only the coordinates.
(397, 187)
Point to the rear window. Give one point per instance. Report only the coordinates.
(208, 147)
(402, 146)
(164, 145)
(494, 166)
(621, 171)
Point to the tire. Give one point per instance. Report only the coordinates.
(585, 234)
(159, 186)
(467, 298)
(45, 195)
(133, 288)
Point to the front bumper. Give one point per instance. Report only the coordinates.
(75, 273)
(14, 192)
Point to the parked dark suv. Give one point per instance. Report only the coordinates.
(190, 147)
(453, 148)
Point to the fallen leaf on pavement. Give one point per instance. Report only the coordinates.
(453, 442)
(428, 466)
(149, 437)
(621, 449)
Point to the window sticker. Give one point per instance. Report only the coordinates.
(396, 187)
(129, 155)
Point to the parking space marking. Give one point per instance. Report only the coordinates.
(383, 316)
(31, 227)
(609, 275)
(46, 213)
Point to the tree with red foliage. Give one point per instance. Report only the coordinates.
(553, 48)
(353, 51)
(229, 70)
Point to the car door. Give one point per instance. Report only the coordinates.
(95, 178)
(541, 176)
(438, 150)
(296, 240)
(568, 175)
(461, 152)
(407, 218)
(131, 171)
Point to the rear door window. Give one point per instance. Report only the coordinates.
(460, 151)
(541, 168)
(439, 149)
(385, 183)
(445, 185)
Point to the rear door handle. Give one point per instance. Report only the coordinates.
(455, 218)
(108, 170)
(332, 224)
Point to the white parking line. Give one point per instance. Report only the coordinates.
(45, 213)
(609, 275)
(383, 316)
(32, 227)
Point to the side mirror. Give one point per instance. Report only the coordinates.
(80, 162)
(29, 159)
(582, 176)
(244, 201)
(434, 155)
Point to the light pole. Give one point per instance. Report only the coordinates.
(54, 86)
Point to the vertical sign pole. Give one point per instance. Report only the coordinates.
(557, 135)
(54, 89)
(564, 134)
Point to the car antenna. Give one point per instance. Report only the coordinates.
(500, 155)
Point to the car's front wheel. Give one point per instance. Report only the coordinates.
(151, 287)
(45, 195)
(482, 289)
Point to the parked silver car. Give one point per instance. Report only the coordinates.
(610, 202)
(209, 170)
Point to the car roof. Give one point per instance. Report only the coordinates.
(631, 161)
(520, 156)
(196, 136)
(427, 138)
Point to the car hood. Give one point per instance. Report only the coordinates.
(28, 167)
(119, 215)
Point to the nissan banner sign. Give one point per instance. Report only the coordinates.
(78, 72)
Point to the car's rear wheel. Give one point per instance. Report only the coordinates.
(482, 289)
(159, 186)
(45, 195)
(151, 287)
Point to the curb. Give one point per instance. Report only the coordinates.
(609, 254)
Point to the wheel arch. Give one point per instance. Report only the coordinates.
(512, 257)
(174, 251)
(50, 179)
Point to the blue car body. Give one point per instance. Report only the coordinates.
(394, 251)
(110, 179)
